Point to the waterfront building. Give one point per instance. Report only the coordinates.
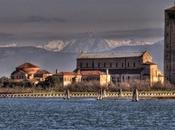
(169, 47)
(41, 75)
(28, 71)
(68, 78)
(123, 67)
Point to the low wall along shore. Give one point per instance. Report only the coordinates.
(113, 95)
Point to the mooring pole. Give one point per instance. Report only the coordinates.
(120, 94)
(135, 95)
(100, 95)
(67, 94)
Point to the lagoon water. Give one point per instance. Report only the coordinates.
(42, 114)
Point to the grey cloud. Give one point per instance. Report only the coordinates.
(40, 37)
(132, 34)
(43, 19)
(33, 19)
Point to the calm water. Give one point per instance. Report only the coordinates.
(41, 114)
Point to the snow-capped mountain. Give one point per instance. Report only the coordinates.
(10, 57)
(56, 46)
(89, 44)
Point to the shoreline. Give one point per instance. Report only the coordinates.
(145, 95)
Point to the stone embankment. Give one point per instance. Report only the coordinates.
(110, 95)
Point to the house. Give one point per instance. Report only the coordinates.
(96, 75)
(28, 71)
(41, 75)
(68, 78)
(123, 67)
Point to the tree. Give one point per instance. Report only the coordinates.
(51, 82)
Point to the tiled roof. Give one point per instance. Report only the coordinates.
(17, 71)
(150, 63)
(110, 55)
(92, 73)
(66, 73)
(42, 72)
(27, 65)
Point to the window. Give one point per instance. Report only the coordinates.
(123, 78)
(116, 65)
(104, 64)
(134, 64)
(118, 80)
(110, 65)
(128, 77)
(122, 65)
(92, 64)
(98, 65)
(86, 65)
(81, 65)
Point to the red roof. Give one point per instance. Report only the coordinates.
(66, 73)
(83, 73)
(149, 63)
(27, 65)
(91, 73)
(42, 72)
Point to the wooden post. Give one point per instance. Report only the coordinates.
(135, 95)
(120, 93)
(100, 95)
(67, 94)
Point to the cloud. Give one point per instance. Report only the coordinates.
(33, 19)
(132, 34)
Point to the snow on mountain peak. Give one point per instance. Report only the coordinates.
(55, 45)
(90, 44)
(8, 45)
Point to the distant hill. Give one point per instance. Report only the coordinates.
(89, 44)
(10, 57)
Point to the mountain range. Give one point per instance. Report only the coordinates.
(61, 55)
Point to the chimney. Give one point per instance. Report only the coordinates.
(56, 71)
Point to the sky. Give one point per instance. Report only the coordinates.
(38, 20)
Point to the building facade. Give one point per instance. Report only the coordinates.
(68, 78)
(169, 47)
(123, 67)
(28, 71)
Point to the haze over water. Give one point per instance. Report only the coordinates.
(34, 114)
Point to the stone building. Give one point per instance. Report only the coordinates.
(28, 71)
(81, 76)
(123, 67)
(169, 47)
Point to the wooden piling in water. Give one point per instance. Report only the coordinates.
(135, 95)
(67, 94)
